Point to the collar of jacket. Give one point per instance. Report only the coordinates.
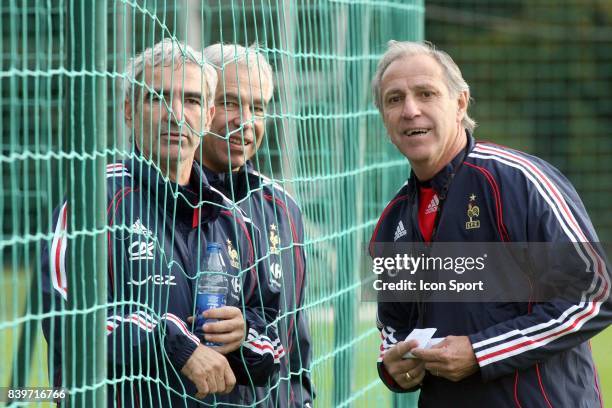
(197, 196)
(443, 179)
(235, 185)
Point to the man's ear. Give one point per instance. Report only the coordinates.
(462, 104)
(210, 114)
(127, 109)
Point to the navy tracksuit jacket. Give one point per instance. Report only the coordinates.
(279, 219)
(530, 355)
(158, 232)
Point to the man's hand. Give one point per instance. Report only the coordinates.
(228, 331)
(209, 371)
(407, 373)
(453, 358)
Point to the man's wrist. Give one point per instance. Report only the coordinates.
(390, 382)
(180, 355)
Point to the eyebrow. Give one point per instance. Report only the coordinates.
(426, 86)
(392, 91)
(417, 87)
(185, 95)
(234, 96)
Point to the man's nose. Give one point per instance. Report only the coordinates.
(246, 116)
(175, 110)
(411, 108)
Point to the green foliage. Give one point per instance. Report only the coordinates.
(540, 74)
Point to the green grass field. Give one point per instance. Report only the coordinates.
(602, 354)
(367, 390)
(366, 352)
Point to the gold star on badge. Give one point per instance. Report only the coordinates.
(473, 197)
(272, 227)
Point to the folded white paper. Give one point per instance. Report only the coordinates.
(424, 339)
(434, 341)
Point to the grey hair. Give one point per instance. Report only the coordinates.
(220, 55)
(168, 52)
(452, 74)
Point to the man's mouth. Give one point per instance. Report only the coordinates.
(415, 132)
(238, 141)
(173, 135)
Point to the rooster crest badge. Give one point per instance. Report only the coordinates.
(473, 211)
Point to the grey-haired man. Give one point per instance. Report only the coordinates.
(237, 131)
(161, 214)
(492, 353)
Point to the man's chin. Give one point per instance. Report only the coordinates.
(416, 153)
(236, 165)
(237, 160)
(172, 156)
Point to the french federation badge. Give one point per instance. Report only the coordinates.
(274, 240)
(233, 255)
(473, 212)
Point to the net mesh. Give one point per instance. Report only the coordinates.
(539, 72)
(63, 120)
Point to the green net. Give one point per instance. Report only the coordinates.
(62, 78)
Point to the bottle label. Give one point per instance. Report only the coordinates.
(205, 301)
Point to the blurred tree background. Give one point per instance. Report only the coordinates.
(540, 73)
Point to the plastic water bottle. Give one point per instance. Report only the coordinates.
(211, 288)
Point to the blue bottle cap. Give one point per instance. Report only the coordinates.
(213, 247)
